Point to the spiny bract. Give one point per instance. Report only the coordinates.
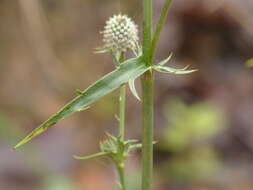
(120, 34)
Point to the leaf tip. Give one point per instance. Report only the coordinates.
(194, 70)
(131, 84)
(17, 146)
(83, 109)
(76, 157)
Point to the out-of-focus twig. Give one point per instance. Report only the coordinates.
(37, 31)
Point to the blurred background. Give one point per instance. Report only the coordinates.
(204, 126)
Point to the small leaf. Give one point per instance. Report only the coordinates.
(97, 155)
(165, 60)
(169, 70)
(83, 109)
(138, 146)
(111, 137)
(101, 50)
(132, 88)
(131, 69)
(117, 117)
(135, 146)
(131, 141)
(79, 92)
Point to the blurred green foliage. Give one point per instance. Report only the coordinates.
(189, 124)
(58, 183)
(134, 180)
(8, 132)
(188, 139)
(249, 62)
(197, 165)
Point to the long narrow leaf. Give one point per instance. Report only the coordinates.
(129, 70)
(159, 27)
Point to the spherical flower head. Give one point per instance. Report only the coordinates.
(120, 34)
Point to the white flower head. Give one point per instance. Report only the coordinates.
(120, 34)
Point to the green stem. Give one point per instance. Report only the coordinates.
(147, 129)
(122, 102)
(147, 81)
(147, 30)
(121, 173)
(122, 107)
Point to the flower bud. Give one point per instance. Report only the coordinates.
(120, 34)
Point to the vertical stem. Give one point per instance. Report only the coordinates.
(147, 29)
(147, 129)
(147, 81)
(122, 106)
(122, 102)
(121, 173)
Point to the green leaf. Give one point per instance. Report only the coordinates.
(96, 155)
(165, 60)
(131, 141)
(131, 68)
(169, 70)
(101, 50)
(137, 146)
(132, 88)
(159, 27)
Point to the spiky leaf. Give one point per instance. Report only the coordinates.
(132, 88)
(131, 69)
(165, 60)
(169, 70)
(96, 155)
